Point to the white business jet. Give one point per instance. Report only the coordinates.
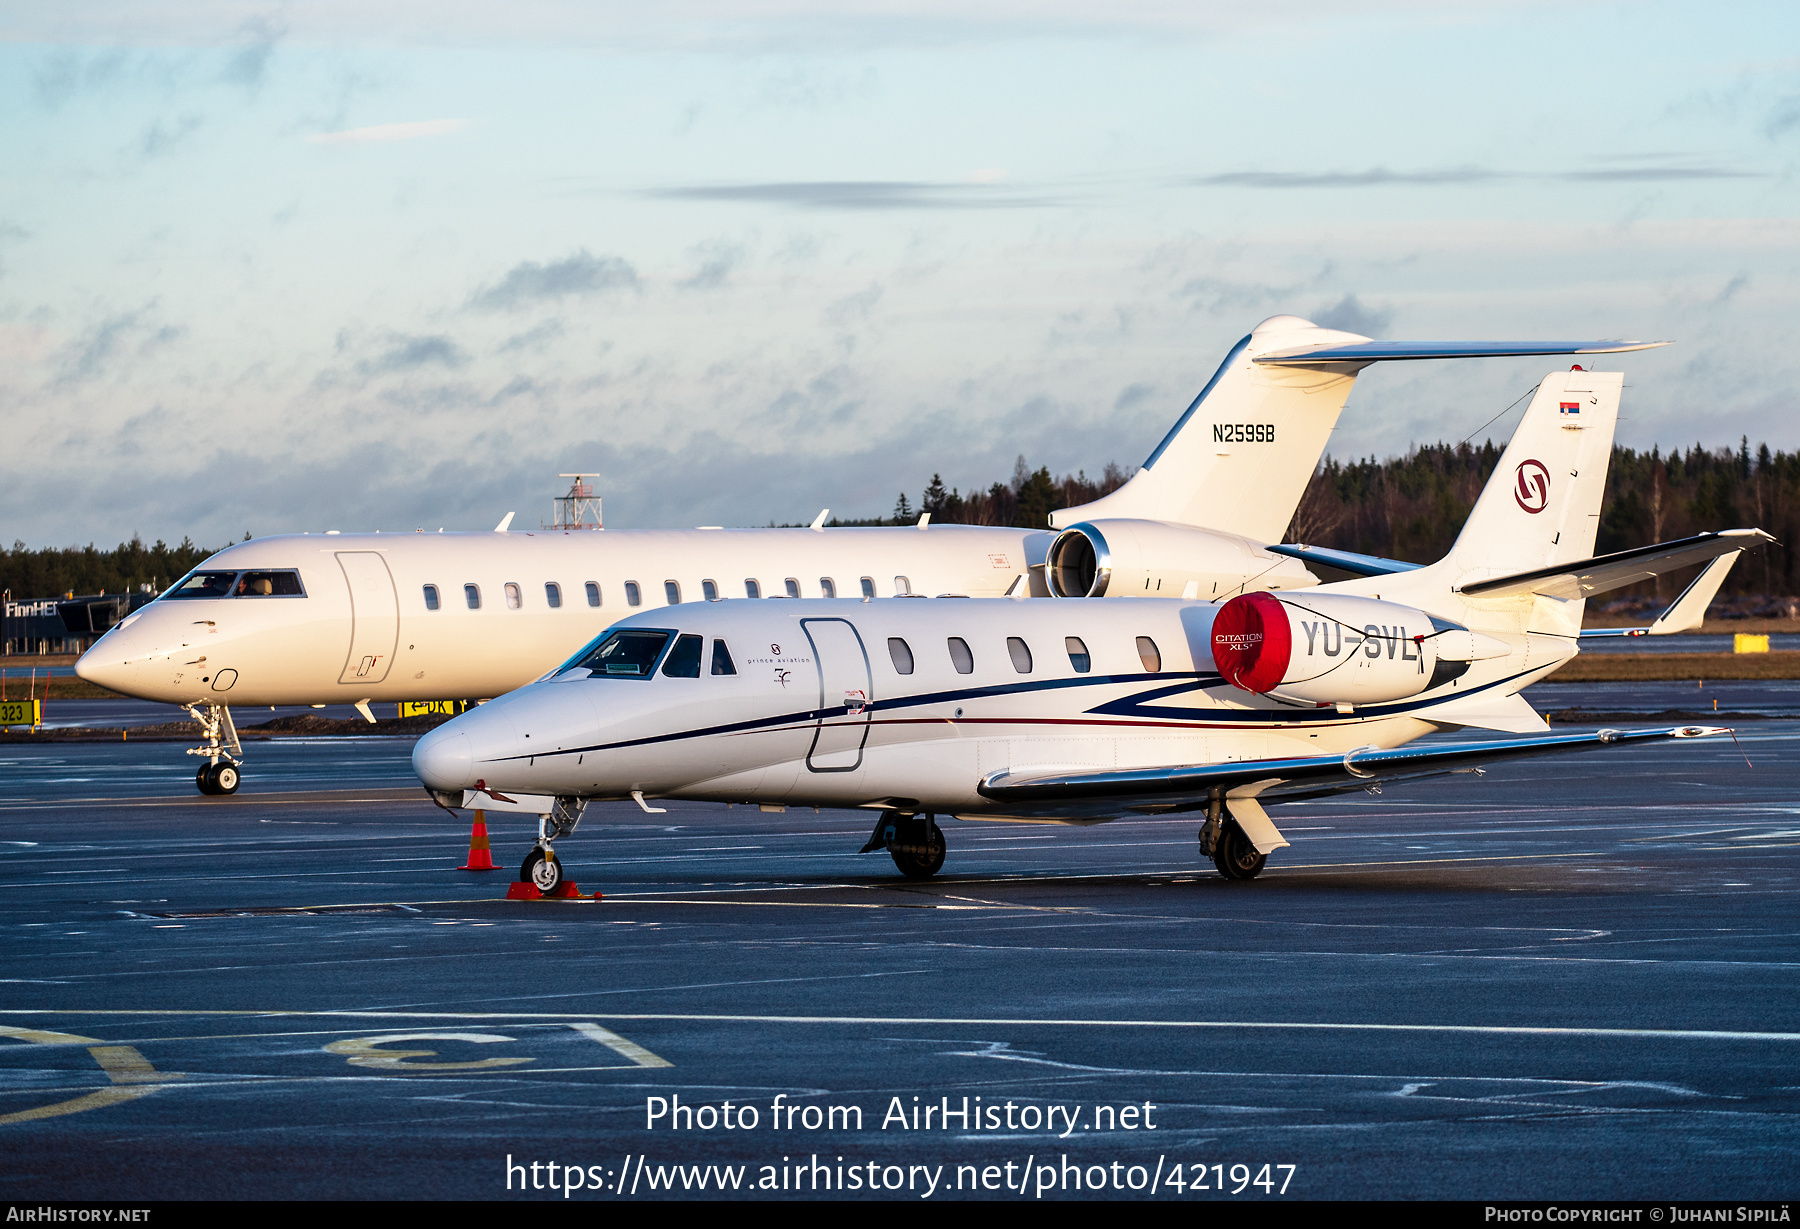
(1079, 712)
(359, 618)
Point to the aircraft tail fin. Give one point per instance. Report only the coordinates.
(1541, 506)
(1239, 459)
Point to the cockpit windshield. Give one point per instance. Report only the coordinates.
(203, 584)
(283, 583)
(622, 654)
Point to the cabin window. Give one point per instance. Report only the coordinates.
(633, 595)
(901, 652)
(514, 599)
(472, 595)
(553, 594)
(630, 654)
(684, 658)
(1078, 654)
(960, 657)
(1149, 654)
(792, 586)
(751, 588)
(1020, 653)
(709, 590)
(902, 587)
(671, 593)
(722, 663)
(593, 593)
(269, 584)
(431, 597)
(827, 587)
(868, 586)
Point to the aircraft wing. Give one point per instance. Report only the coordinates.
(1344, 560)
(1626, 567)
(1152, 791)
(1387, 351)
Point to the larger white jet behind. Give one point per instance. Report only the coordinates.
(357, 618)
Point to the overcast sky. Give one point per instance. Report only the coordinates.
(268, 268)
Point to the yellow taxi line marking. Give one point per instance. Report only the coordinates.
(123, 1065)
(619, 1045)
(93, 1101)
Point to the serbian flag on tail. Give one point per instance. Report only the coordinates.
(1570, 408)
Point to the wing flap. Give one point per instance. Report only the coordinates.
(1190, 787)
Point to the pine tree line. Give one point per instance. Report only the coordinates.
(53, 571)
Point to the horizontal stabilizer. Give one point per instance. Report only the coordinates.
(1159, 790)
(1583, 577)
(1343, 560)
(1509, 714)
(1389, 351)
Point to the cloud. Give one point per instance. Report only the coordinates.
(389, 132)
(533, 338)
(1382, 177)
(250, 63)
(1352, 316)
(1374, 177)
(404, 353)
(67, 75)
(159, 140)
(718, 260)
(530, 282)
(97, 351)
(859, 195)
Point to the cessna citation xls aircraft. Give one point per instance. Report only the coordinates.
(1079, 712)
(357, 618)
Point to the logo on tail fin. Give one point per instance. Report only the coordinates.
(1533, 487)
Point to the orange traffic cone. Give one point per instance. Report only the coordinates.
(480, 859)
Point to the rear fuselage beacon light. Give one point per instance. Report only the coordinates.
(1252, 642)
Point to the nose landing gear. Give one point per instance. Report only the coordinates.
(221, 744)
(542, 868)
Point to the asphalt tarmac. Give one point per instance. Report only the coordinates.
(1571, 978)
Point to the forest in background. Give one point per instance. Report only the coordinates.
(1409, 507)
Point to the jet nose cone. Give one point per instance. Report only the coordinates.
(103, 667)
(445, 760)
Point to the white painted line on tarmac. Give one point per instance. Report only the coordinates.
(1500, 1030)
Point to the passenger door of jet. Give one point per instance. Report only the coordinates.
(845, 692)
(374, 617)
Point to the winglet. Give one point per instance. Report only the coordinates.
(818, 523)
(504, 522)
(1687, 612)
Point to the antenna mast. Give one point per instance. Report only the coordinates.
(580, 508)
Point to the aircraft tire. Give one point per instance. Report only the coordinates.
(225, 779)
(1235, 856)
(918, 849)
(542, 870)
(203, 780)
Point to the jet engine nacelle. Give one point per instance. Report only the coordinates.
(1131, 558)
(1329, 648)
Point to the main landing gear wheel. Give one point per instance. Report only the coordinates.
(542, 870)
(1234, 855)
(917, 847)
(217, 779)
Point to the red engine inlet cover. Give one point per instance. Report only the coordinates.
(1252, 641)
